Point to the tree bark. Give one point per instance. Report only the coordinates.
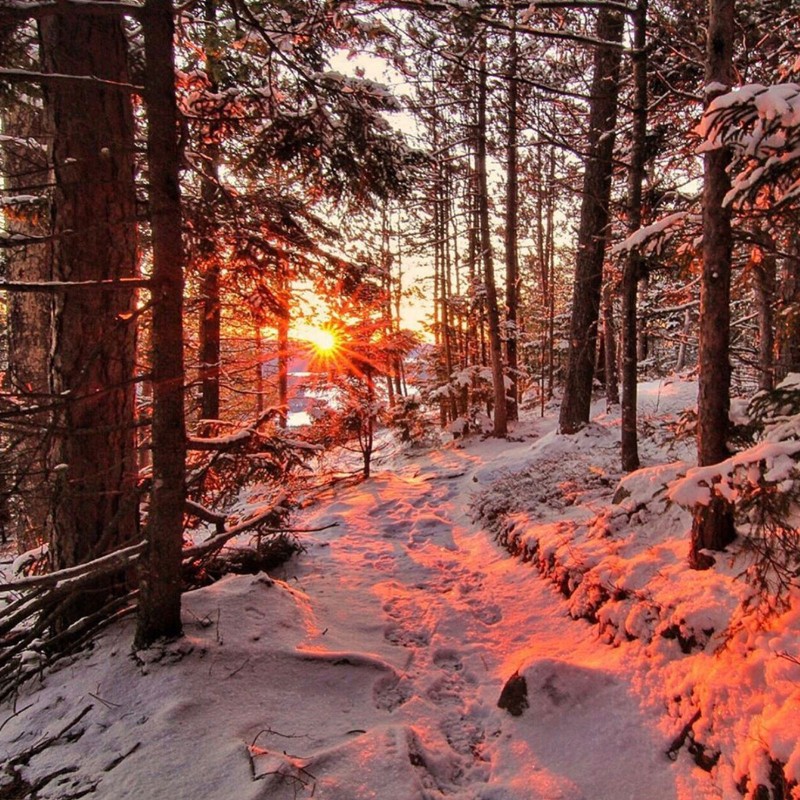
(712, 526)
(610, 348)
(633, 268)
(160, 580)
(94, 501)
(26, 158)
(211, 313)
(593, 230)
(512, 225)
(764, 270)
(284, 319)
(500, 427)
(789, 331)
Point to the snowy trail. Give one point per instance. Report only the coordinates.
(407, 578)
(370, 671)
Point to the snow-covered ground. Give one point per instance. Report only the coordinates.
(372, 665)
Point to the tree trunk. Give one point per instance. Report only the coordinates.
(25, 167)
(764, 273)
(500, 427)
(712, 526)
(610, 348)
(789, 331)
(511, 233)
(593, 231)
(210, 330)
(259, 383)
(633, 269)
(160, 586)
(94, 508)
(284, 319)
(211, 310)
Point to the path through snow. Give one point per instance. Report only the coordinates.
(409, 578)
(371, 671)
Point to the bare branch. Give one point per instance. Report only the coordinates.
(63, 286)
(20, 10)
(51, 78)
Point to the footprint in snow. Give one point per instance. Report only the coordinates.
(448, 660)
(488, 615)
(391, 691)
(403, 637)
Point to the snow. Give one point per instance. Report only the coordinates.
(371, 666)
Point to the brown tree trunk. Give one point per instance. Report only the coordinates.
(511, 233)
(211, 310)
(592, 234)
(712, 527)
(610, 348)
(160, 585)
(27, 166)
(764, 270)
(789, 330)
(210, 330)
(633, 268)
(94, 507)
(284, 319)
(259, 383)
(500, 427)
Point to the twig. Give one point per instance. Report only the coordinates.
(15, 714)
(41, 746)
(106, 703)
(120, 758)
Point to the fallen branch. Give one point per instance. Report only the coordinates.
(218, 541)
(207, 515)
(99, 566)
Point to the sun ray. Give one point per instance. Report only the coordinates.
(325, 341)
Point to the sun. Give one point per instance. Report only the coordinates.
(323, 340)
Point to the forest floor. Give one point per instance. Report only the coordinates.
(372, 664)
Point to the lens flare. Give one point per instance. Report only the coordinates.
(324, 341)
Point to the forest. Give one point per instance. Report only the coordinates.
(398, 333)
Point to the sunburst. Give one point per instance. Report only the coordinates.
(326, 342)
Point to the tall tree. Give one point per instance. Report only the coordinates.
(160, 580)
(712, 527)
(593, 231)
(512, 224)
(500, 426)
(94, 501)
(633, 268)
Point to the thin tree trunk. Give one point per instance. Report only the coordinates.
(284, 319)
(94, 500)
(592, 235)
(712, 527)
(500, 427)
(210, 351)
(160, 586)
(633, 268)
(211, 309)
(789, 330)
(259, 345)
(610, 348)
(550, 260)
(680, 363)
(512, 225)
(764, 274)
